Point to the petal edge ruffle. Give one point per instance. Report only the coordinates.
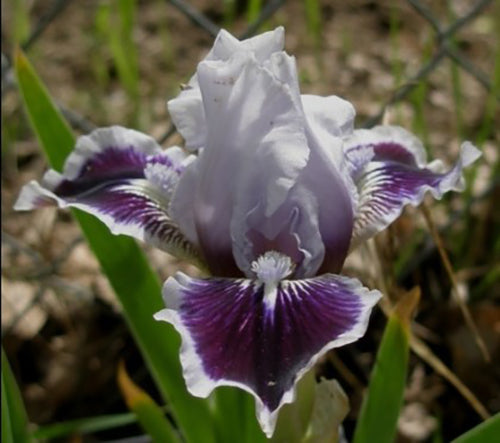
(232, 335)
(123, 178)
(388, 166)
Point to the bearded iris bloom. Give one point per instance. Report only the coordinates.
(272, 192)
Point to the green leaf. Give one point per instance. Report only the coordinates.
(253, 10)
(150, 415)
(228, 425)
(486, 432)
(14, 418)
(120, 29)
(252, 431)
(294, 418)
(85, 425)
(382, 403)
(313, 19)
(20, 21)
(125, 265)
(234, 416)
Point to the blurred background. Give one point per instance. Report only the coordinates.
(430, 66)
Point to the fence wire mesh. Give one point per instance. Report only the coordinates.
(443, 49)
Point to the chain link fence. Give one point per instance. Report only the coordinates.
(443, 49)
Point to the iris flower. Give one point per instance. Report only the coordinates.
(273, 192)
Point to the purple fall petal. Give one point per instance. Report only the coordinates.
(122, 177)
(388, 166)
(236, 333)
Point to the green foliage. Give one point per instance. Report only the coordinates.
(125, 265)
(419, 97)
(115, 25)
(150, 415)
(486, 432)
(14, 418)
(229, 12)
(253, 10)
(456, 83)
(85, 425)
(294, 418)
(313, 20)
(396, 64)
(234, 416)
(314, 27)
(488, 125)
(382, 403)
(21, 21)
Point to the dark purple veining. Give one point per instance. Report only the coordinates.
(394, 152)
(240, 338)
(112, 163)
(128, 205)
(392, 185)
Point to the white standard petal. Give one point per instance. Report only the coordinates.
(187, 110)
(262, 45)
(329, 116)
(188, 117)
(256, 148)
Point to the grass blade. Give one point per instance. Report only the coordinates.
(294, 418)
(253, 10)
(487, 431)
(126, 267)
(85, 425)
(114, 27)
(14, 418)
(21, 21)
(234, 416)
(396, 64)
(313, 20)
(150, 415)
(383, 400)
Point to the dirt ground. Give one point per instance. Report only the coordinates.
(61, 324)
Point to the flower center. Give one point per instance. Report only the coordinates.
(271, 268)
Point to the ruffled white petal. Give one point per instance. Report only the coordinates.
(262, 45)
(188, 117)
(255, 149)
(187, 111)
(329, 116)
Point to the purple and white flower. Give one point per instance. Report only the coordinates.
(276, 191)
